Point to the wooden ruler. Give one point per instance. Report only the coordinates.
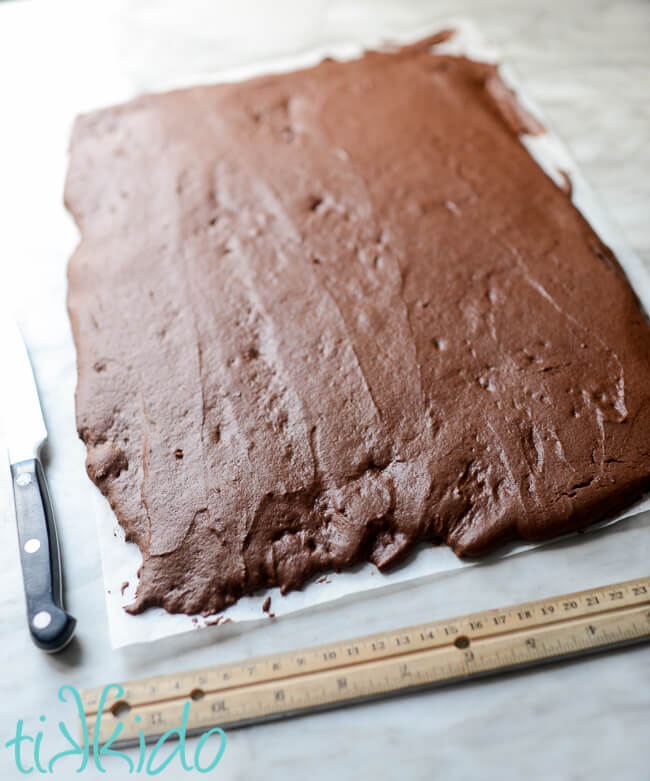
(393, 662)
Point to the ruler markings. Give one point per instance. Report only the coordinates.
(387, 663)
(342, 653)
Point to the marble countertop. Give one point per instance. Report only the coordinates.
(588, 65)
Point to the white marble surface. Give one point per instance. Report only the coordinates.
(587, 64)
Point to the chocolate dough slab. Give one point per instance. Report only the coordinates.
(323, 316)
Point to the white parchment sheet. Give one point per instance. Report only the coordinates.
(121, 560)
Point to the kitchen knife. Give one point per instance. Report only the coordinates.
(22, 422)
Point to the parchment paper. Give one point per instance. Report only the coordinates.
(120, 560)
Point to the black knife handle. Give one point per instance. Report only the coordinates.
(51, 627)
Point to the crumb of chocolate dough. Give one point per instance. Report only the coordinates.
(567, 184)
(217, 621)
(267, 605)
(324, 316)
(124, 587)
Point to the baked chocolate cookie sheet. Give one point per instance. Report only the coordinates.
(325, 315)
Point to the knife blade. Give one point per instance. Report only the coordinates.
(51, 627)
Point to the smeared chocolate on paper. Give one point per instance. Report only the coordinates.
(323, 316)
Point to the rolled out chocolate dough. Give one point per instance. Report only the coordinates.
(323, 316)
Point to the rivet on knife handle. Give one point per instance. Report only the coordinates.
(50, 626)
